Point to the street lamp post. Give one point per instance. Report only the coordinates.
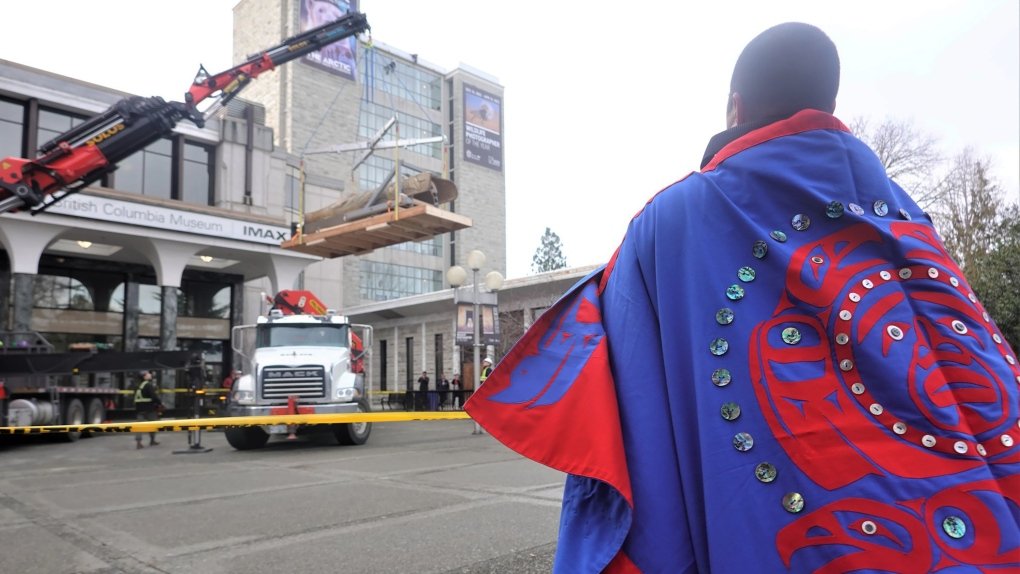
(493, 281)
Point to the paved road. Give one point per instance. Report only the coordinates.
(419, 497)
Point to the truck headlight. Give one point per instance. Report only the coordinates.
(346, 394)
(244, 390)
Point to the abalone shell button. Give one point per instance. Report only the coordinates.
(760, 249)
(881, 208)
(724, 316)
(855, 209)
(746, 274)
(801, 222)
(954, 526)
(765, 472)
(730, 411)
(778, 236)
(735, 292)
(834, 210)
(743, 441)
(721, 377)
(719, 346)
(791, 336)
(793, 502)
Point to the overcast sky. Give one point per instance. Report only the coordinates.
(605, 102)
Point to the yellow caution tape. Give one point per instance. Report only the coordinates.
(185, 425)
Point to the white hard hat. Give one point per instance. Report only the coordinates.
(488, 360)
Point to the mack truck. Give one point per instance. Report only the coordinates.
(300, 358)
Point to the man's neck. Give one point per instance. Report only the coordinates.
(721, 139)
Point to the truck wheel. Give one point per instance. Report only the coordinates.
(247, 438)
(354, 433)
(74, 414)
(96, 413)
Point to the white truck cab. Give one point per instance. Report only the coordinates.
(299, 364)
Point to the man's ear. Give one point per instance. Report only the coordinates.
(736, 112)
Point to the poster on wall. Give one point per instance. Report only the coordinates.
(338, 57)
(488, 328)
(483, 128)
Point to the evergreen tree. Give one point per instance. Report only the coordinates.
(997, 280)
(968, 211)
(549, 255)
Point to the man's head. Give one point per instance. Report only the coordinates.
(145, 375)
(785, 69)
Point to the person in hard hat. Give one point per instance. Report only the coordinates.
(486, 369)
(147, 405)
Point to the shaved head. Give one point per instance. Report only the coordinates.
(785, 69)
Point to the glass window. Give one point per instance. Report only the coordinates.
(292, 192)
(52, 123)
(150, 299)
(116, 303)
(158, 163)
(12, 123)
(204, 300)
(197, 174)
(374, 117)
(402, 80)
(385, 281)
(312, 335)
(61, 292)
(147, 172)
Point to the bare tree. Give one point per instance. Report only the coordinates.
(911, 157)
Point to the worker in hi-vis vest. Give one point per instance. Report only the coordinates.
(147, 405)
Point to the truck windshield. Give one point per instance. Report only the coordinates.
(302, 335)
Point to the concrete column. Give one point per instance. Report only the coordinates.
(424, 350)
(284, 272)
(168, 319)
(24, 241)
(101, 288)
(236, 318)
(24, 298)
(168, 338)
(5, 296)
(131, 312)
(396, 360)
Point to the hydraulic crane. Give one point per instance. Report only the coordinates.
(77, 158)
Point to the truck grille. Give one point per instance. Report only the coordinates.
(303, 382)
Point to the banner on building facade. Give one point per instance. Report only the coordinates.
(488, 328)
(483, 128)
(338, 57)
